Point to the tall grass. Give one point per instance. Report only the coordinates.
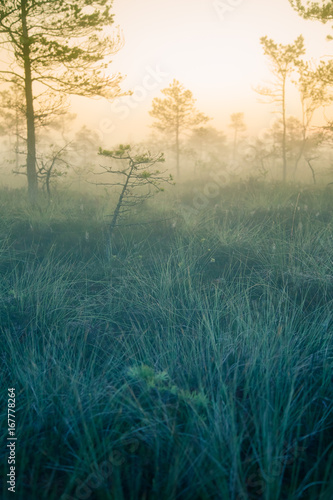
(195, 362)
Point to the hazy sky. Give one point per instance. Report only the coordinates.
(212, 47)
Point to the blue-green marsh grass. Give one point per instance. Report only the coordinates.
(206, 344)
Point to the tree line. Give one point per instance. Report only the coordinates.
(54, 49)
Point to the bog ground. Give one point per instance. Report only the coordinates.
(191, 360)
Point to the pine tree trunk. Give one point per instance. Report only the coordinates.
(284, 138)
(31, 136)
(118, 209)
(177, 147)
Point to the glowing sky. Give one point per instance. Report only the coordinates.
(214, 53)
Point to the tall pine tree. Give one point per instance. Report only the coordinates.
(59, 46)
(175, 114)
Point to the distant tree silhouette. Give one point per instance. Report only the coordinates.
(315, 92)
(175, 114)
(283, 59)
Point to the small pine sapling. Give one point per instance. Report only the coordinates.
(138, 181)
